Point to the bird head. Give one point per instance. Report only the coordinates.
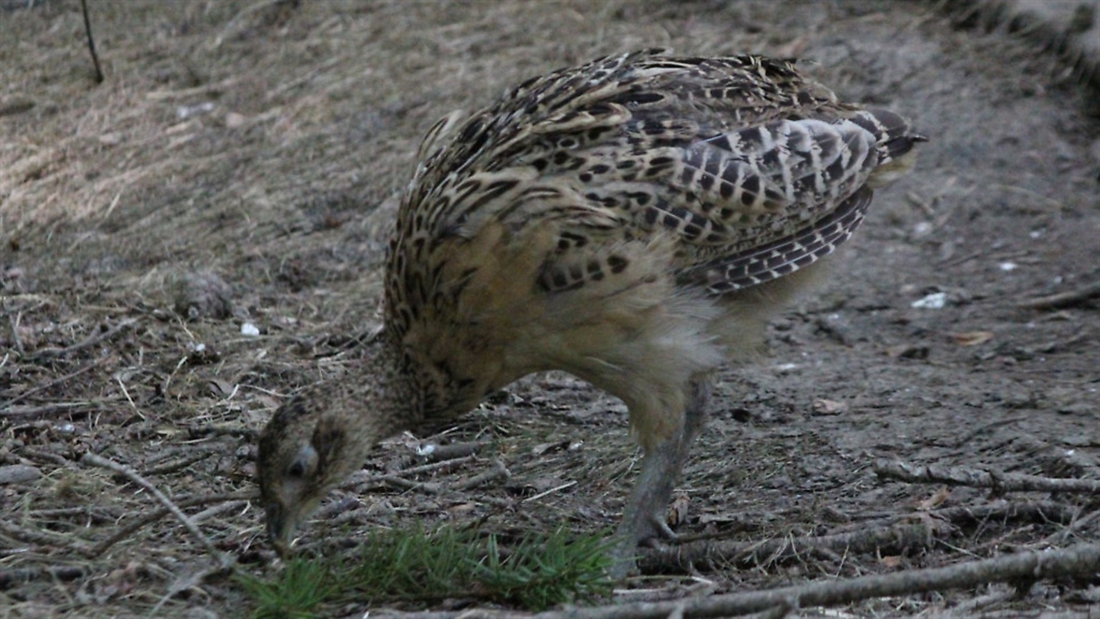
(311, 444)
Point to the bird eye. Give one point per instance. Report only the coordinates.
(304, 462)
(296, 469)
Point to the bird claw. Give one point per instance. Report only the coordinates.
(651, 531)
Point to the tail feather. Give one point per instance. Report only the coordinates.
(894, 139)
(894, 134)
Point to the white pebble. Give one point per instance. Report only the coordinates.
(1007, 266)
(249, 329)
(187, 111)
(936, 300)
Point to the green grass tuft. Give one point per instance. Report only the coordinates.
(418, 567)
(297, 590)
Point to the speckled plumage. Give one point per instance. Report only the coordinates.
(631, 221)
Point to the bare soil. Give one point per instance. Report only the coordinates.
(241, 162)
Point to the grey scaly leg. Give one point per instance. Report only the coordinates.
(644, 517)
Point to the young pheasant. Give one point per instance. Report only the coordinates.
(632, 221)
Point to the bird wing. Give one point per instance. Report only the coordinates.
(751, 170)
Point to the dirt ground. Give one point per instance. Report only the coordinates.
(265, 144)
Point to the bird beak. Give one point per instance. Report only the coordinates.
(280, 529)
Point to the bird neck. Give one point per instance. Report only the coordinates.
(414, 390)
(384, 391)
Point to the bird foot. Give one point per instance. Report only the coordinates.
(651, 531)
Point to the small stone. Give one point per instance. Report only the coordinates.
(233, 120)
(201, 294)
(828, 408)
(18, 474)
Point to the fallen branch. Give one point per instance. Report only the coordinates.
(710, 555)
(1064, 299)
(224, 560)
(1082, 560)
(893, 538)
(998, 481)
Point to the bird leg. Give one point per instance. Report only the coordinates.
(644, 522)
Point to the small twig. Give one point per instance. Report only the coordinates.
(780, 610)
(234, 23)
(32, 453)
(432, 453)
(218, 509)
(426, 487)
(177, 465)
(179, 585)
(999, 481)
(984, 429)
(45, 538)
(499, 471)
(13, 320)
(452, 451)
(969, 608)
(91, 42)
(223, 429)
(10, 577)
(88, 342)
(150, 518)
(1072, 528)
(58, 381)
(224, 560)
(699, 586)
(1063, 299)
(90, 514)
(126, 392)
(435, 467)
(568, 484)
(47, 409)
(191, 449)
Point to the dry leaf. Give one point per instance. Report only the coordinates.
(971, 338)
(935, 500)
(822, 406)
(677, 510)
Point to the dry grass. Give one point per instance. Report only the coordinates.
(266, 142)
